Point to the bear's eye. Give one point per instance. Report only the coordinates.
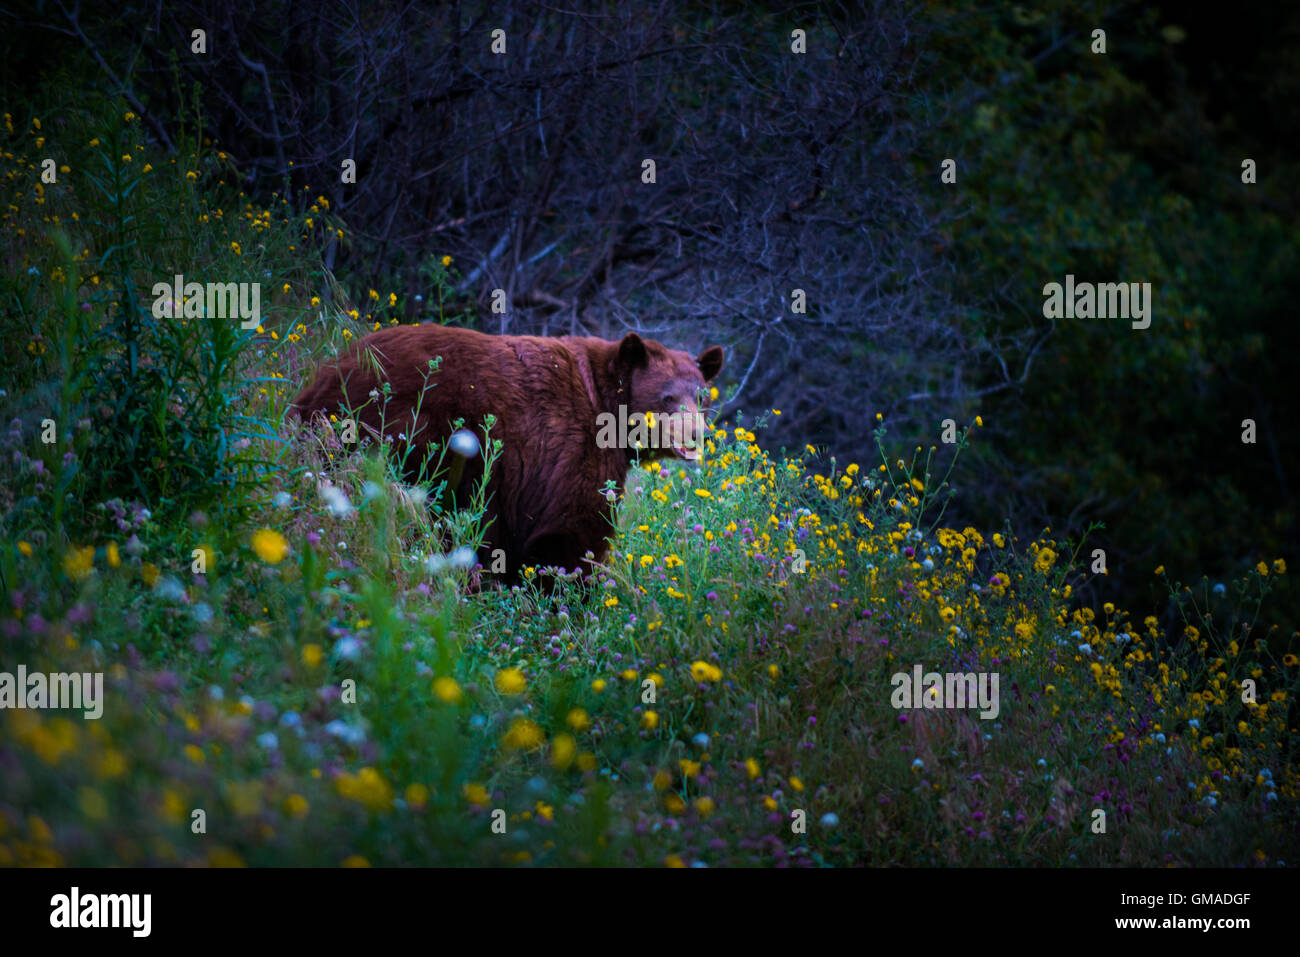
(671, 400)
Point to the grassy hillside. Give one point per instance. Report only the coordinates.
(291, 646)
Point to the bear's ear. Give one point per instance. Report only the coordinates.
(710, 362)
(632, 352)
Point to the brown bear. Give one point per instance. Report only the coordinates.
(551, 398)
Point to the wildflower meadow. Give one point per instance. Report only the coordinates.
(303, 661)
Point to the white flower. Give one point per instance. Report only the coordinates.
(336, 500)
(349, 649)
(464, 443)
(281, 499)
(169, 589)
(337, 728)
(345, 731)
(462, 557)
(268, 740)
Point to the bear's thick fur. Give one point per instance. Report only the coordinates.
(545, 505)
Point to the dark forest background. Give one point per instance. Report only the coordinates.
(818, 172)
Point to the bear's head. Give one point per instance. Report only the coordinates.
(670, 385)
